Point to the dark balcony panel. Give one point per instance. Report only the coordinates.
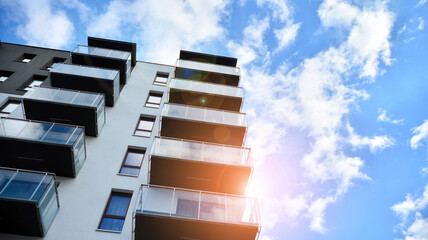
(42, 146)
(89, 79)
(202, 94)
(198, 165)
(201, 124)
(65, 106)
(104, 58)
(28, 202)
(117, 45)
(190, 214)
(207, 72)
(208, 58)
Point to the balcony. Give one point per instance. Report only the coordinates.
(207, 72)
(117, 45)
(66, 106)
(42, 146)
(198, 165)
(202, 124)
(170, 213)
(208, 58)
(104, 58)
(85, 78)
(28, 202)
(203, 94)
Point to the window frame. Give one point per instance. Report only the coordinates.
(52, 61)
(35, 77)
(115, 192)
(135, 150)
(148, 118)
(24, 56)
(5, 74)
(161, 75)
(2, 107)
(154, 104)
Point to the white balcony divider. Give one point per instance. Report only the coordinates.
(208, 67)
(197, 205)
(205, 87)
(204, 115)
(201, 151)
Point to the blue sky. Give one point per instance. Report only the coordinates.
(336, 95)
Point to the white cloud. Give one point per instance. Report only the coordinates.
(162, 28)
(419, 133)
(316, 97)
(421, 23)
(402, 29)
(40, 24)
(282, 13)
(421, 3)
(410, 213)
(384, 118)
(83, 10)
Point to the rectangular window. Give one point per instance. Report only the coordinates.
(8, 107)
(25, 58)
(132, 163)
(4, 75)
(48, 66)
(144, 127)
(161, 79)
(35, 81)
(153, 100)
(115, 211)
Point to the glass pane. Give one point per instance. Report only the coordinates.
(35, 83)
(213, 153)
(142, 133)
(214, 116)
(240, 210)
(112, 224)
(86, 99)
(64, 96)
(174, 111)
(13, 127)
(212, 207)
(154, 99)
(161, 79)
(22, 185)
(134, 158)
(145, 125)
(168, 148)
(158, 201)
(153, 105)
(195, 113)
(118, 205)
(34, 131)
(10, 107)
(191, 151)
(187, 204)
(59, 134)
(130, 171)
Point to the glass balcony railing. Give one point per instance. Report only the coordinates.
(204, 87)
(201, 151)
(208, 67)
(204, 115)
(84, 99)
(103, 52)
(46, 133)
(93, 72)
(29, 187)
(197, 205)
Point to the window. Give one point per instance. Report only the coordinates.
(48, 66)
(132, 163)
(115, 211)
(25, 58)
(144, 127)
(161, 79)
(35, 81)
(8, 107)
(154, 100)
(4, 75)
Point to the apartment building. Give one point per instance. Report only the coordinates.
(107, 147)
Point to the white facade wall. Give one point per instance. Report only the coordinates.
(84, 198)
